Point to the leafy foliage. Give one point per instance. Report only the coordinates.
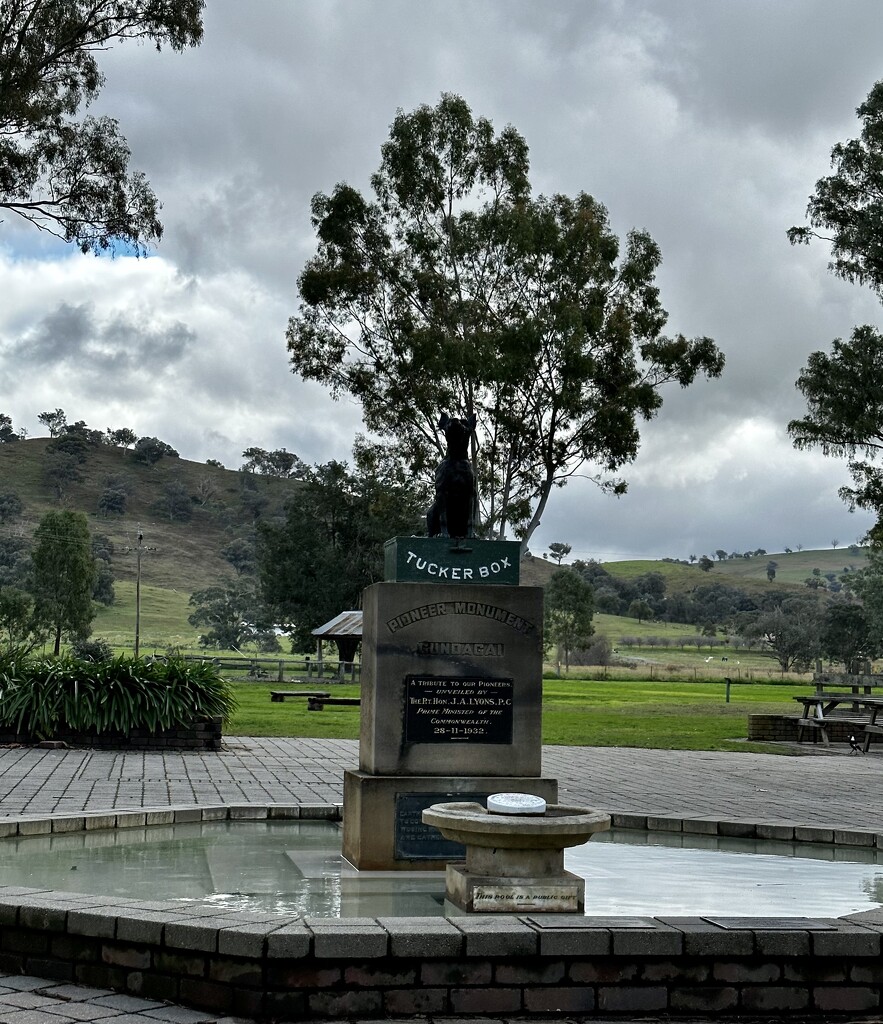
(150, 450)
(175, 502)
(329, 547)
(849, 202)
(791, 633)
(846, 634)
(54, 421)
(455, 290)
(235, 616)
(67, 177)
(844, 399)
(42, 695)
(281, 463)
(7, 434)
(569, 607)
(11, 506)
(559, 550)
(64, 573)
(22, 627)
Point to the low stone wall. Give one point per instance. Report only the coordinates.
(779, 728)
(265, 966)
(204, 735)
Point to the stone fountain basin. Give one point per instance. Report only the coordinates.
(472, 825)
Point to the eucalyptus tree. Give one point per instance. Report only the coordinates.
(63, 573)
(65, 176)
(848, 204)
(452, 289)
(844, 397)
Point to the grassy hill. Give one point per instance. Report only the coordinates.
(181, 554)
(747, 573)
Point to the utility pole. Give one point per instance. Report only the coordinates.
(138, 551)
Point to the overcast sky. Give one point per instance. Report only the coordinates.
(704, 122)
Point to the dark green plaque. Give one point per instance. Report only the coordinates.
(415, 840)
(443, 560)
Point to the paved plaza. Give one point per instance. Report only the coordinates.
(828, 788)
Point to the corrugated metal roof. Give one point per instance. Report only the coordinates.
(345, 624)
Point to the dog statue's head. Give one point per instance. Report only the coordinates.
(457, 433)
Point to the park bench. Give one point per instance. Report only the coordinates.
(278, 696)
(318, 703)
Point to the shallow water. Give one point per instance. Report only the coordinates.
(286, 866)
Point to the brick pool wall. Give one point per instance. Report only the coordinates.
(263, 965)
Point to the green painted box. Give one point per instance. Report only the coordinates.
(443, 560)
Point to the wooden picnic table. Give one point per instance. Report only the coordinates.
(819, 708)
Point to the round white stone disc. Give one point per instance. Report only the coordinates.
(516, 803)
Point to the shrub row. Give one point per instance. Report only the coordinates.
(39, 696)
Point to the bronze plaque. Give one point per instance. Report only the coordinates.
(457, 709)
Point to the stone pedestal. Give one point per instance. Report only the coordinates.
(451, 697)
(515, 862)
(383, 826)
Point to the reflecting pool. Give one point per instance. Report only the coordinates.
(288, 866)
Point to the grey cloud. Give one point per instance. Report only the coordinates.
(74, 337)
(706, 124)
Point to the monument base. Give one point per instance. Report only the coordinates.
(383, 829)
(560, 894)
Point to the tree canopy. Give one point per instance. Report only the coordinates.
(315, 563)
(454, 290)
(843, 391)
(234, 615)
(569, 607)
(64, 573)
(849, 202)
(844, 397)
(65, 176)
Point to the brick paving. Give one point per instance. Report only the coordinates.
(825, 788)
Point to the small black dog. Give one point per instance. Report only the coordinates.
(453, 512)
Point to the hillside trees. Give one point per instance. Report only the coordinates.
(11, 506)
(21, 626)
(55, 421)
(121, 437)
(568, 611)
(234, 614)
(559, 551)
(847, 635)
(791, 633)
(65, 176)
(314, 563)
(7, 434)
(281, 463)
(149, 450)
(452, 289)
(63, 573)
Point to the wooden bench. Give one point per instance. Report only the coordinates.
(278, 696)
(318, 703)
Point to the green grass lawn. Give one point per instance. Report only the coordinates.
(664, 715)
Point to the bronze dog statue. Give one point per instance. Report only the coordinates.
(453, 512)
